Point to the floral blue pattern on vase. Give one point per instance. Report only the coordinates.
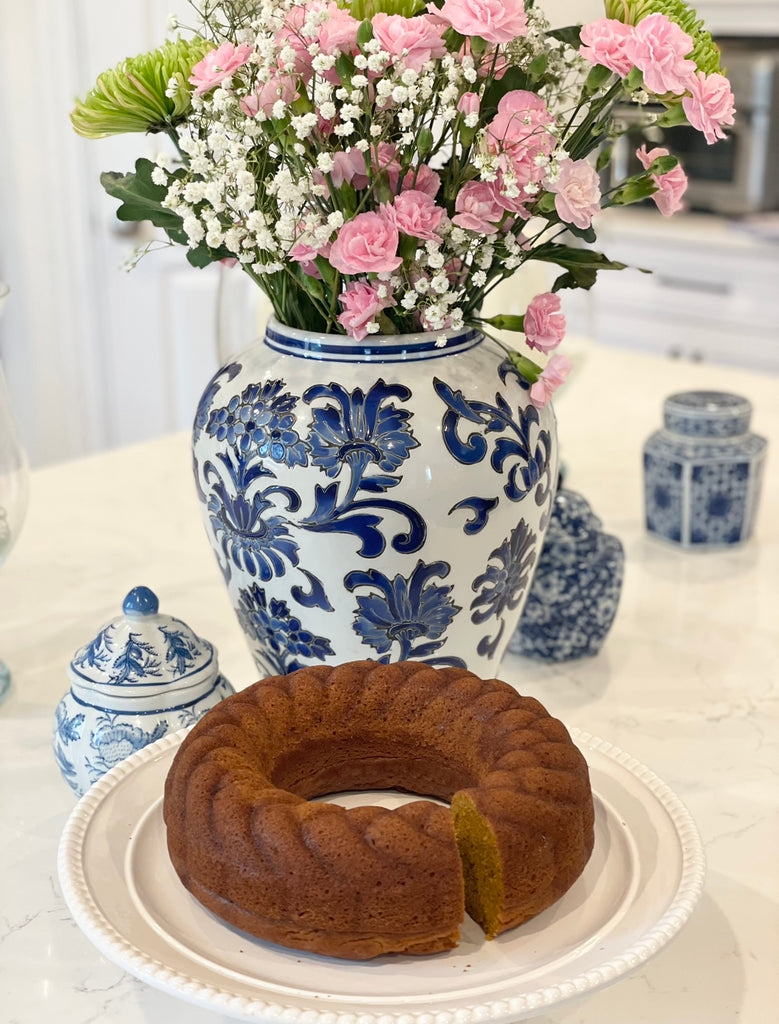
(385, 499)
(143, 675)
(576, 589)
(703, 471)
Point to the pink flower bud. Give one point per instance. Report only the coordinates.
(469, 104)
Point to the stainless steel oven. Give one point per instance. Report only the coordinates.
(739, 175)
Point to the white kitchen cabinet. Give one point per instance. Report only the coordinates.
(713, 293)
(740, 17)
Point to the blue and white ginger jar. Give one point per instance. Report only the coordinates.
(383, 499)
(703, 471)
(577, 586)
(144, 675)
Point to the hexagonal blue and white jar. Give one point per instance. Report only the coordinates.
(703, 471)
(144, 675)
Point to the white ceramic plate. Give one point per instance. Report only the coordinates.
(640, 886)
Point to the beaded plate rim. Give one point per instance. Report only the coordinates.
(120, 950)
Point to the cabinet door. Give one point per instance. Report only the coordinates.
(739, 17)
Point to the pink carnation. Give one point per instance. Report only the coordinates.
(279, 87)
(604, 42)
(305, 254)
(709, 105)
(217, 65)
(415, 214)
(520, 132)
(578, 193)
(496, 21)
(366, 244)
(362, 303)
(290, 35)
(384, 158)
(658, 47)
(350, 168)
(552, 376)
(478, 208)
(414, 40)
(338, 32)
(544, 322)
(671, 186)
(525, 172)
(423, 179)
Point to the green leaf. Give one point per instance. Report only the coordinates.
(662, 165)
(381, 188)
(364, 34)
(581, 265)
(604, 157)
(386, 326)
(545, 203)
(309, 284)
(407, 248)
(538, 65)
(454, 40)
(344, 65)
(202, 255)
(467, 135)
(330, 275)
(141, 199)
(586, 234)
(583, 278)
(571, 35)
(514, 78)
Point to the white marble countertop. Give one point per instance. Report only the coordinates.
(686, 683)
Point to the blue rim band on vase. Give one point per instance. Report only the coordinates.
(383, 499)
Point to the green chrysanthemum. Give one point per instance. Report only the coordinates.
(133, 97)
(366, 9)
(705, 52)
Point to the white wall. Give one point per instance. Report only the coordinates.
(94, 356)
(571, 12)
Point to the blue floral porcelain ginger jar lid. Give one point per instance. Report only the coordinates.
(143, 656)
(143, 675)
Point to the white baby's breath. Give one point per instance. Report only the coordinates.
(307, 134)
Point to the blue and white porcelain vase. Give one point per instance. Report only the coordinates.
(577, 586)
(144, 675)
(703, 471)
(384, 499)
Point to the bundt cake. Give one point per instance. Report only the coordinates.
(249, 841)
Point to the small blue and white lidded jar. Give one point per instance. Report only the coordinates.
(144, 675)
(703, 471)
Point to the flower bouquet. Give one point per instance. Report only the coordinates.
(380, 166)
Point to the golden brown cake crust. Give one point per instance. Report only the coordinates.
(248, 840)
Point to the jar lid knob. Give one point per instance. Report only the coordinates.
(140, 602)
